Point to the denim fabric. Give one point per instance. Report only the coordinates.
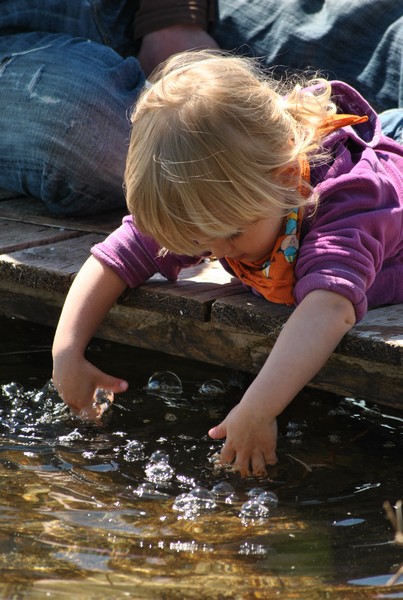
(357, 41)
(64, 102)
(392, 124)
(68, 79)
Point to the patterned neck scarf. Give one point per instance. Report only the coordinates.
(273, 277)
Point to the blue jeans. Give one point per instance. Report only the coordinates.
(65, 96)
(357, 41)
(392, 123)
(68, 79)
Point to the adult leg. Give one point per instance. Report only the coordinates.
(64, 101)
(358, 41)
(64, 120)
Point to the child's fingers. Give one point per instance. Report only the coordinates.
(102, 396)
(110, 383)
(270, 458)
(258, 464)
(218, 432)
(227, 455)
(81, 396)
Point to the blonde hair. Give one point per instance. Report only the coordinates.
(215, 145)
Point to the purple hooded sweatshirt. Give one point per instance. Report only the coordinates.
(353, 245)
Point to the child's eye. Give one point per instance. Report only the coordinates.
(233, 237)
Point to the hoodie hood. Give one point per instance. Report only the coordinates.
(348, 100)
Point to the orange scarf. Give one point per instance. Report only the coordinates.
(273, 277)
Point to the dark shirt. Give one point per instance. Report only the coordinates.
(153, 15)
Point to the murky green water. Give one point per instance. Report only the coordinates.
(137, 508)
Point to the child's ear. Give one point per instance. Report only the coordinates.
(289, 175)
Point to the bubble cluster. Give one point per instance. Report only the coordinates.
(133, 451)
(158, 469)
(12, 390)
(260, 506)
(31, 413)
(197, 501)
(201, 500)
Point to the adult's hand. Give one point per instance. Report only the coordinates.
(159, 45)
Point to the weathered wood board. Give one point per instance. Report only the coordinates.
(206, 315)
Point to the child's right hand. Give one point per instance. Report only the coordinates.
(76, 380)
(94, 290)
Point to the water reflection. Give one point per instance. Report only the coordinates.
(135, 505)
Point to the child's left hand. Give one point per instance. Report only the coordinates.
(251, 439)
(321, 320)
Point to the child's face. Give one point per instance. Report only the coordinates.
(251, 244)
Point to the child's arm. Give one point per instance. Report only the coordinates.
(305, 343)
(93, 292)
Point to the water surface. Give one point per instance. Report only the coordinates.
(136, 507)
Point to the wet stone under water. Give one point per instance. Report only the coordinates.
(136, 505)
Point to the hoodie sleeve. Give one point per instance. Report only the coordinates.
(134, 257)
(357, 228)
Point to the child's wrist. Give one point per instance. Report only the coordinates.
(260, 404)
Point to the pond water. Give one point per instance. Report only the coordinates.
(136, 507)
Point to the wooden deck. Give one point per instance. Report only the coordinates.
(206, 316)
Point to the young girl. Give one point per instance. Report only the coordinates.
(293, 188)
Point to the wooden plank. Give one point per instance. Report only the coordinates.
(213, 343)
(16, 236)
(251, 313)
(52, 267)
(191, 296)
(30, 210)
(379, 336)
(49, 267)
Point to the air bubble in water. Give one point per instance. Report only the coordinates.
(269, 499)
(103, 399)
(225, 492)
(145, 489)
(70, 437)
(159, 472)
(101, 402)
(159, 456)
(165, 382)
(12, 390)
(212, 387)
(148, 491)
(182, 503)
(255, 492)
(133, 451)
(253, 509)
(248, 548)
(203, 497)
(197, 501)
